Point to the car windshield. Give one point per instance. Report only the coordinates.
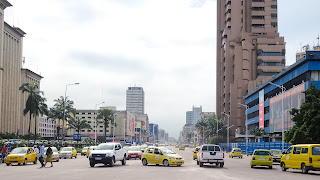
(53, 149)
(133, 148)
(66, 149)
(167, 151)
(316, 150)
(237, 150)
(262, 153)
(105, 147)
(275, 151)
(19, 151)
(85, 148)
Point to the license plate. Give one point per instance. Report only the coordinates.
(262, 159)
(179, 161)
(133, 155)
(98, 158)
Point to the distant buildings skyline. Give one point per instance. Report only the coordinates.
(135, 100)
(192, 117)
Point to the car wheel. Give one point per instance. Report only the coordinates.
(59, 157)
(221, 165)
(201, 164)
(144, 162)
(197, 162)
(124, 160)
(92, 164)
(270, 167)
(165, 163)
(35, 161)
(231, 156)
(252, 166)
(25, 162)
(112, 162)
(8, 164)
(283, 166)
(71, 157)
(76, 156)
(304, 169)
(65, 158)
(57, 160)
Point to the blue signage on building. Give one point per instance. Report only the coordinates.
(77, 136)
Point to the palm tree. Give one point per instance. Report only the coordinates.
(107, 116)
(35, 104)
(78, 124)
(201, 126)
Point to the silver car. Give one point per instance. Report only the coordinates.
(55, 155)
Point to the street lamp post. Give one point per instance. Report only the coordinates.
(114, 119)
(64, 108)
(282, 120)
(228, 115)
(95, 122)
(246, 123)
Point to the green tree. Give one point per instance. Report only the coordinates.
(106, 116)
(307, 120)
(258, 132)
(78, 124)
(35, 104)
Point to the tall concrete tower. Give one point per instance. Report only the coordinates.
(249, 52)
(135, 100)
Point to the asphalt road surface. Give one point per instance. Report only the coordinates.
(80, 169)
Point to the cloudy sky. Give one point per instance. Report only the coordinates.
(165, 46)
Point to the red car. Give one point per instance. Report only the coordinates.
(134, 152)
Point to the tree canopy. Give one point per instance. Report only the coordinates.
(106, 116)
(307, 120)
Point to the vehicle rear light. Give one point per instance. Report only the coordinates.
(253, 158)
(270, 159)
(232, 152)
(201, 155)
(223, 155)
(310, 160)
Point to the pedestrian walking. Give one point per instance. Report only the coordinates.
(41, 155)
(36, 149)
(49, 155)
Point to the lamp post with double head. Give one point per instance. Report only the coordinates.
(64, 108)
(282, 120)
(95, 122)
(246, 123)
(228, 115)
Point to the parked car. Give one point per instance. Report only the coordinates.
(68, 152)
(210, 153)
(276, 155)
(22, 155)
(55, 153)
(108, 153)
(236, 152)
(305, 157)
(261, 157)
(182, 148)
(161, 155)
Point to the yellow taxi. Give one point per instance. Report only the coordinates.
(68, 152)
(236, 152)
(305, 157)
(182, 148)
(161, 155)
(84, 151)
(177, 146)
(276, 154)
(89, 150)
(195, 152)
(261, 157)
(22, 155)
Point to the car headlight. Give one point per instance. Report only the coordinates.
(172, 158)
(90, 155)
(108, 154)
(21, 156)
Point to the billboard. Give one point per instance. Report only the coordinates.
(261, 109)
(130, 124)
(292, 98)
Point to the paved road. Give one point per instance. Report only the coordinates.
(79, 169)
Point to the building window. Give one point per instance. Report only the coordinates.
(271, 64)
(258, 25)
(257, 8)
(89, 130)
(257, 0)
(89, 121)
(273, 7)
(274, 24)
(274, 16)
(271, 54)
(257, 17)
(101, 131)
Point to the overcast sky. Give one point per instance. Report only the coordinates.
(168, 47)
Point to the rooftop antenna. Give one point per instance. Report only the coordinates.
(318, 40)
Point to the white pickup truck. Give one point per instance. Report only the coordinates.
(108, 153)
(210, 153)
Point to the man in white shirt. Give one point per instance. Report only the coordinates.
(35, 148)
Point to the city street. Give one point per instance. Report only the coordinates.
(79, 169)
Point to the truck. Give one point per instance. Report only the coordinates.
(108, 154)
(210, 153)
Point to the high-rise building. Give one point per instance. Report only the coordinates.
(249, 52)
(192, 117)
(135, 100)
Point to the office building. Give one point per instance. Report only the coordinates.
(249, 52)
(265, 103)
(135, 100)
(192, 117)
